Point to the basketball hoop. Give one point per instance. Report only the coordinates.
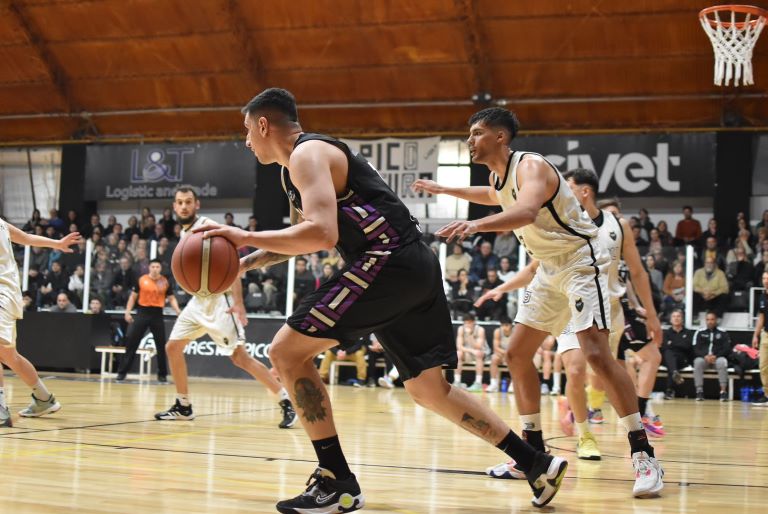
(733, 31)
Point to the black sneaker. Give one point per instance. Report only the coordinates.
(120, 377)
(176, 413)
(325, 494)
(723, 396)
(676, 378)
(669, 394)
(699, 396)
(545, 478)
(289, 415)
(162, 379)
(370, 383)
(762, 402)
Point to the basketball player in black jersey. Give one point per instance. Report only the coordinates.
(391, 285)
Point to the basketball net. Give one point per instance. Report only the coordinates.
(733, 40)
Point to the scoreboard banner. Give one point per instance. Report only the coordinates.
(400, 162)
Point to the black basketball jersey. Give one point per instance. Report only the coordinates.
(371, 217)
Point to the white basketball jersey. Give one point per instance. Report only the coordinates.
(199, 222)
(10, 288)
(610, 237)
(561, 225)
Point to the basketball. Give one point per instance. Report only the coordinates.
(205, 266)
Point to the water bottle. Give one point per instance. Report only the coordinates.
(504, 385)
(745, 394)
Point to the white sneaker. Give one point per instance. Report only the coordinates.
(544, 389)
(492, 388)
(506, 471)
(386, 382)
(555, 391)
(648, 475)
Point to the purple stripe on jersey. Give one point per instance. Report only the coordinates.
(379, 230)
(359, 273)
(311, 320)
(349, 211)
(327, 311)
(355, 201)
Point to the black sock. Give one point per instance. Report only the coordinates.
(638, 442)
(523, 453)
(331, 457)
(534, 438)
(643, 404)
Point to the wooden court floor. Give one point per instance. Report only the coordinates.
(103, 452)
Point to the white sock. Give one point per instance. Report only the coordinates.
(283, 394)
(531, 422)
(582, 428)
(479, 379)
(2, 397)
(649, 410)
(456, 378)
(556, 380)
(494, 381)
(183, 400)
(40, 391)
(632, 423)
(394, 374)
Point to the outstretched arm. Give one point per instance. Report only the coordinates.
(482, 195)
(22, 238)
(521, 279)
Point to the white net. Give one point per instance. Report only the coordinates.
(733, 40)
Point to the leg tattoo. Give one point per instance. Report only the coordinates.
(477, 426)
(309, 398)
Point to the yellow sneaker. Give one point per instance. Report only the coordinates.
(586, 448)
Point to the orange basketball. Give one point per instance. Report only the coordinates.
(205, 266)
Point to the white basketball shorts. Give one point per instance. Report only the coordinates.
(7, 328)
(568, 341)
(209, 316)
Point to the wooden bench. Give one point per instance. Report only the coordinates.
(333, 373)
(711, 374)
(145, 360)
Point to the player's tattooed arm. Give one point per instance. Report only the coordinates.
(265, 259)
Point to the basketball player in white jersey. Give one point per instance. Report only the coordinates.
(569, 283)
(221, 316)
(501, 338)
(11, 309)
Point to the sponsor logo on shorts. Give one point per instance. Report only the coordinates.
(579, 305)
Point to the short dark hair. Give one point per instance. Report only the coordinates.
(156, 261)
(274, 99)
(468, 317)
(688, 207)
(609, 202)
(583, 177)
(505, 320)
(186, 189)
(713, 313)
(498, 118)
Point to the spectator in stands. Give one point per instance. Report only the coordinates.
(77, 283)
(315, 267)
(271, 294)
(158, 233)
(110, 246)
(742, 223)
(492, 309)
(56, 281)
(760, 336)
(167, 221)
(710, 288)
(101, 279)
(229, 219)
(111, 222)
(123, 283)
(664, 234)
(655, 245)
(39, 258)
(457, 260)
(253, 224)
(34, 281)
(332, 258)
(354, 352)
(688, 230)
(254, 298)
(711, 348)
(505, 271)
(327, 273)
(148, 227)
(657, 279)
(462, 293)
(677, 348)
(58, 224)
(644, 220)
(761, 268)
(118, 231)
(483, 260)
(741, 242)
(95, 306)
(711, 250)
(87, 229)
(642, 244)
(712, 231)
(740, 272)
(164, 252)
(146, 211)
(28, 301)
(133, 228)
(73, 228)
(140, 260)
(72, 218)
(96, 238)
(304, 280)
(122, 248)
(505, 245)
(63, 304)
(32, 222)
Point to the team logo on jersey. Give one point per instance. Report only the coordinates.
(613, 235)
(527, 296)
(514, 195)
(579, 305)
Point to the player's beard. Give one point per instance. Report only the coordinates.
(186, 221)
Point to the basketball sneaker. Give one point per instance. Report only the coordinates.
(492, 388)
(544, 389)
(477, 387)
(39, 407)
(677, 378)
(387, 383)
(177, 412)
(761, 402)
(699, 396)
(586, 448)
(723, 396)
(596, 416)
(5, 417)
(289, 415)
(651, 428)
(506, 471)
(656, 420)
(648, 475)
(566, 416)
(325, 495)
(545, 478)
